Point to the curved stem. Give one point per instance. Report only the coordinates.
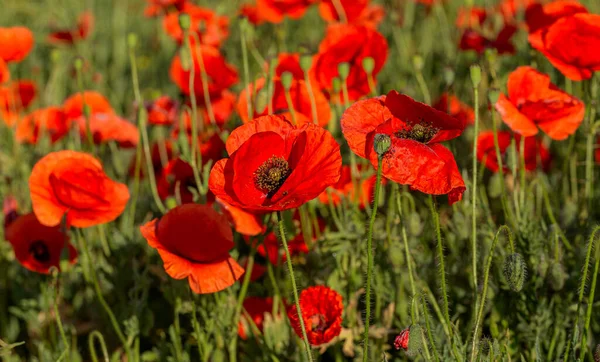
(290, 104)
(294, 287)
(86, 109)
(370, 261)
(504, 198)
(97, 335)
(196, 327)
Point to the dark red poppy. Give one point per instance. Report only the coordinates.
(162, 111)
(274, 11)
(221, 75)
(15, 43)
(300, 97)
(244, 222)
(274, 165)
(4, 72)
(96, 102)
(416, 157)
(358, 12)
(85, 24)
(251, 12)
(473, 40)
(38, 247)
(73, 184)
(533, 101)
(202, 257)
(161, 7)
(322, 309)
(571, 44)
(210, 28)
(350, 44)
(256, 308)
(107, 127)
(535, 152)
(540, 16)
(454, 107)
(10, 210)
(345, 188)
(50, 120)
(471, 17)
(176, 179)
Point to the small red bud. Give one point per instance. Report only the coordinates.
(401, 340)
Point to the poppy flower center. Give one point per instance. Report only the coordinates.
(421, 132)
(39, 251)
(318, 323)
(269, 176)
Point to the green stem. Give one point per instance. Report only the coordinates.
(97, 335)
(288, 256)
(86, 108)
(67, 351)
(246, 68)
(196, 327)
(370, 260)
(423, 86)
(428, 326)
(522, 169)
(290, 104)
(588, 316)
(474, 192)
(239, 305)
(203, 78)
(311, 96)
(411, 277)
(504, 199)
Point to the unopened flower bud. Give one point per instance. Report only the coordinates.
(78, 63)
(493, 95)
(418, 62)
(382, 143)
(449, 76)
(184, 21)
(343, 70)
(475, 75)
(305, 62)
(286, 80)
(557, 276)
(368, 64)
(515, 271)
(132, 40)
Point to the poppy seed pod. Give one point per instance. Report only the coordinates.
(184, 21)
(381, 143)
(305, 62)
(515, 271)
(368, 65)
(286, 80)
(475, 75)
(343, 70)
(418, 62)
(132, 40)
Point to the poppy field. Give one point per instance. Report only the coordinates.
(299, 180)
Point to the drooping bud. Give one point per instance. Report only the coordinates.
(515, 271)
(343, 70)
(475, 75)
(286, 80)
(381, 143)
(368, 64)
(557, 276)
(305, 62)
(184, 21)
(402, 339)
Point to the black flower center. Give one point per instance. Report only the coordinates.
(421, 132)
(39, 251)
(318, 323)
(269, 176)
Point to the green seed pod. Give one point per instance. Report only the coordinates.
(55, 56)
(475, 75)
(381, 143)
(262, 100)
(336, 85)
(368, 64)
(184, 21)
(414, 225)
(515, 271)
(557, 276)
(493, 95)
(132, 40)
(418, 62)
(495, 185)
(305, 62)
(415, 342)
(449, 76)
(286, 80)
(170, 203)
(343, 70)
(78, 63)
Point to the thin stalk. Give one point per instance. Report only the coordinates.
(370, 260)
(196, 327)
(423, 85)
(203, 78)
(522, 169)
(280, 222)
(411, 277)
(239, 304)
(588, 316)
(246, 67)
(474, 192)
(311, 96)
(290, 104)
(505, 205)
(428, 326)
(67, 351)
(97, 335)
(86, 109)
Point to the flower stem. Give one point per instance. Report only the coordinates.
(411, 277)
(239, 304)
(196, 326)
(67, 351)
(246, 67)
(588, 316)
(474, 192)
(370, 261)
(294, 287)
(97, 335)
(428, 326)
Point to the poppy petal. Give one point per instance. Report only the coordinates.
(517, 121)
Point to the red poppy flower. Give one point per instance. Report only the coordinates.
(85, 24)
(38, 247)
(73, 183)
(355, 12)
(511, 8)
(4, 72)
(454, 107)
(471, 17)
(221, 75)
(244, 222)
(416, 157)
(107, 127)
(211, 29)
(251, 12)
(222, 105)
(274, 11)
(96, 102)
(534, 151)
(176, 179)
(162, 111)
(15, 43)
(473, 40)
(274, 165)
(301, 103)
(322, 309)
(10, 210)
(256, 308)
(533, 101)
(345, 188)
(14, 98)
(539, 17)
(161, 7)
(571, 44)
(203, 257)
(50, 120)
(288, 62)
(350, 44)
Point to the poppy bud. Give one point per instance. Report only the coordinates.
(305, 62)
(449, 76)
(184, 21)
(418, 62)
(558, 276)
(286, 80)
(336, 85)
(493, 95)
(170, 203)
(409, 340)
(78, 63)
(381, 143)
(343, 70)
(368, 64)
(55, 56)
(475, 75)
(132, 40)
(515, 271)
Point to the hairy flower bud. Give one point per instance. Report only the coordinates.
(382, 143)
(515, 271)
(410, 340)
(557, 276)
